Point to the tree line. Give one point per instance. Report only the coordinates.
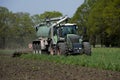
(17, 30)
(99, 21)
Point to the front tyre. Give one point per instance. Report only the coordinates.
(87, 48)
(61, 49)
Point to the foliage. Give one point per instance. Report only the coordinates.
(101, 19)
(7, 51)
(98, 21)
(102, 58)
(17, 29)
(49, 14)
(38, 18)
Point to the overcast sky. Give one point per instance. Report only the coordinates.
(67, 7)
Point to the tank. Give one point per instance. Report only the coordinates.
(43, 31)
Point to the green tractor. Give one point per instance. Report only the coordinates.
(61, 38)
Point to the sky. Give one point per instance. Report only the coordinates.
(66, 7)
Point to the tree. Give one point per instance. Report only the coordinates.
(4, 25)
(50, 14)
(38, 18)
(23, 28)
(16, 29)
(81, 17)
(101, 19)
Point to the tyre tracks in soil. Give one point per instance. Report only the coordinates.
(26, 69)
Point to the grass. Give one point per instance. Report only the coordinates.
(102, 58)
(6, 51)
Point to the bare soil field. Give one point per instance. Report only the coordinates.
(26, 69)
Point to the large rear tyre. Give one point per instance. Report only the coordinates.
(87, 48)
(61, 49)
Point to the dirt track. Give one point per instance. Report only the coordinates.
(21, 69)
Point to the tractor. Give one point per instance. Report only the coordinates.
(56, 36)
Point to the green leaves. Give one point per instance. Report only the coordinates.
(15, 29)
(50, 14)
(100, 17)
(39, 18)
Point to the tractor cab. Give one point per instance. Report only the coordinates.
(65, 29)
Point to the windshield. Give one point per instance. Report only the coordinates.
(68, 30)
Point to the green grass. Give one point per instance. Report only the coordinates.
(101, 58)
(6, 51)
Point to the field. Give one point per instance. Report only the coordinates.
(104, 64)
(102, 58)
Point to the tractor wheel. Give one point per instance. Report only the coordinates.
(52, 48)
(38, 49)
(61, 49)
(51, 51)
(87, 48)
(34, 48)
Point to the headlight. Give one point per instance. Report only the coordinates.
(80, 41)
(80, 48)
